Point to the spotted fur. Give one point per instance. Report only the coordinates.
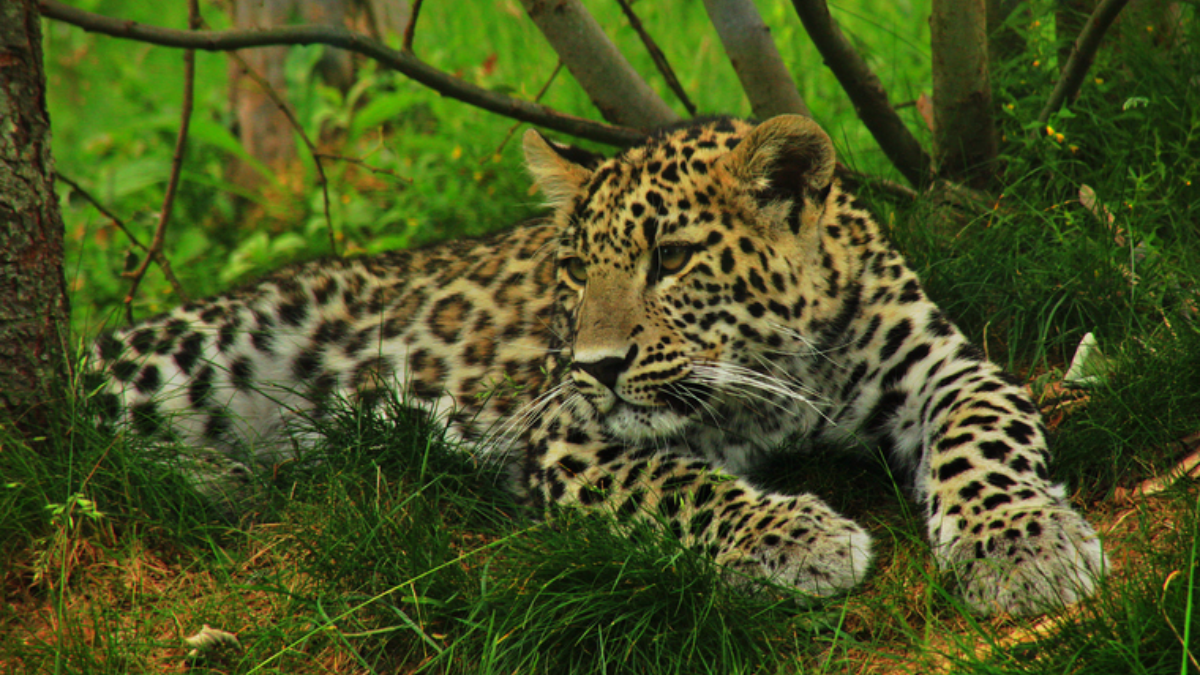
(688, 306)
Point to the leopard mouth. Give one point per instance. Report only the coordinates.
(685, 398)
(674, 406)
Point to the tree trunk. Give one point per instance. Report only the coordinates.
(964, 133)
(387, 19)
(33, 298)
(263, 128)
(1069, 17)
(1004, 42)
(616, 89)
(757, 62)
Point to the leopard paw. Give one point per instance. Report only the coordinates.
(1025, 560)
(800, 542)
(227, 485)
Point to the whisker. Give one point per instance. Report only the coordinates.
(810, 348)
(753, 384)
(513, 428)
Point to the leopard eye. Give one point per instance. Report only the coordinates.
(576, 270)
(670, 259)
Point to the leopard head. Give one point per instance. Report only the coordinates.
(684, 262)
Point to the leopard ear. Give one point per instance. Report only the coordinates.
(558, 177)
(785, 157)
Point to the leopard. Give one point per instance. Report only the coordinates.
(686, 310)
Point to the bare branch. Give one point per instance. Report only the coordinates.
(360, 163)
(538, 97)
(616, 89)
(1082, 56)
(159, 258)
(865, 91)
(660, 59)
(104, 211)
(410, 29)
(337, 36)
(759, 67)
(964, 133)
(164, 214)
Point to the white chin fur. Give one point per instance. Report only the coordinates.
(634, 424)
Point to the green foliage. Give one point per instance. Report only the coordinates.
(1044, 267)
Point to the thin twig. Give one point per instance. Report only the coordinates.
(616, 89)
(369, 167)
(411, 29)
(312, 149)
(513, 129)
(865, 91)
(58, 175)
(159, 258)
(164, 215)
(339, 36)
(660, 59)
(1082, 55)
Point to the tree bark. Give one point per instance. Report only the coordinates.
(33, 298)
(387, 18)
(262, 127)
(759, 67)
(616, 89)
(964, 131)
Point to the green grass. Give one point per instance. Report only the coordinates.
(398, 554)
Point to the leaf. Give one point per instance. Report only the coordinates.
(381, 109)
(1087, 197)
(208, 132)
(210, 637)
(925, 109)
(1088, 366)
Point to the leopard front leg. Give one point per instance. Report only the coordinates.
(795, 540)
(998, 525)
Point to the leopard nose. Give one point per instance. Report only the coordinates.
(607, 370)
